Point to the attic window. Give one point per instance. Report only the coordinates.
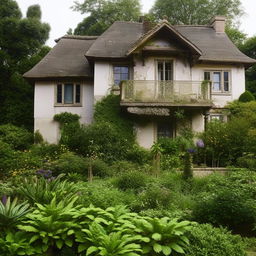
(121, 73)
(68, 94)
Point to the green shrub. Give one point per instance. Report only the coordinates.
(66, 118)
(229, 208)
(103, 194)
(99, 168)
(102, 139)
(131, 180)
(138, 155)
(206, 240)
(247, 96)
(68, 163)
(38, 138)
(19, 138)
(154, 197)
(109, 110)
(247, 161)
(170, 162)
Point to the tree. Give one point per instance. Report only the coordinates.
(21, 41)
(249, 48)
(197, 11)
(103, 13)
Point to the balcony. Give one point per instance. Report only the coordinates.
(166, 93)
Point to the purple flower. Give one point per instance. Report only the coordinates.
(200, 143)
(4, 199)
(45, 173)
(191, 150)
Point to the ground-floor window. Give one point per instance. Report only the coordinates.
(68, 93)
(164, 130)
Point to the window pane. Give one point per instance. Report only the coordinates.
(120, 73)
(160, 68)
(226, 81)
(216, 81)
(68, 93)
(59, 93)
(207, 76)
(124, 70)
(78, 93)
(164, 130)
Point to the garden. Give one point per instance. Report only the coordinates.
(98, 193)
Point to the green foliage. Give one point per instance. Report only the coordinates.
(197, 12)
(102, 14)
(187, 169)
(42, 190)
(66, 118)
(51, 225)
(228, 201)
(38, 138)
(162, 236)
(206, 240)
(131, 180)
(105, 140)
(15, 243)
(21, 43)
(34, 12)
(109, 110)
(103, 194)
(247, 96)
(12, 212)
(235, 35)
(18, 138)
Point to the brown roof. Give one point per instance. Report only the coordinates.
(66, 59)
(214, 46)
(120, 39)
(115, 41)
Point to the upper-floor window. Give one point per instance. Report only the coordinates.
(68, 93)
(121, 73)
(220, 80)
(164, 70)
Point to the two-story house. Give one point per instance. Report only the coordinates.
(159, 71)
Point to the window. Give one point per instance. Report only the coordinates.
(68, 94)
(220, 80)
(164, 70)
(164, 130)
(218, 117)
(120, 73)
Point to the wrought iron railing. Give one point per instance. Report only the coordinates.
(165, 91)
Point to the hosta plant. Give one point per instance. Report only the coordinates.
(12, 212)
(15, 243)
(162, 236)
(51, 226)
(42, 190)
(98, 242)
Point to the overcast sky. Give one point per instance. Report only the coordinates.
(60, 17)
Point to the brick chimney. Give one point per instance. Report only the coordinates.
(218, 23)
(147, 25)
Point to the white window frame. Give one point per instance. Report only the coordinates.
(62, 103)
(222, 91)
(164, 60)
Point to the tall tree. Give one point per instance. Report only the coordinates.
(21, 41)
(102, 13)
(196, 11)
(249, 48)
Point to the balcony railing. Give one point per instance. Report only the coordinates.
(147, 91)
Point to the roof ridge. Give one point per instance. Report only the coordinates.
(194, 26)
(78, 37)
(132, 22)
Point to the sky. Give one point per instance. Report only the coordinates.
(60, 16)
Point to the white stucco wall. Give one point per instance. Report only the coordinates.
(103, 79)
(145, 134)
(44, 109)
